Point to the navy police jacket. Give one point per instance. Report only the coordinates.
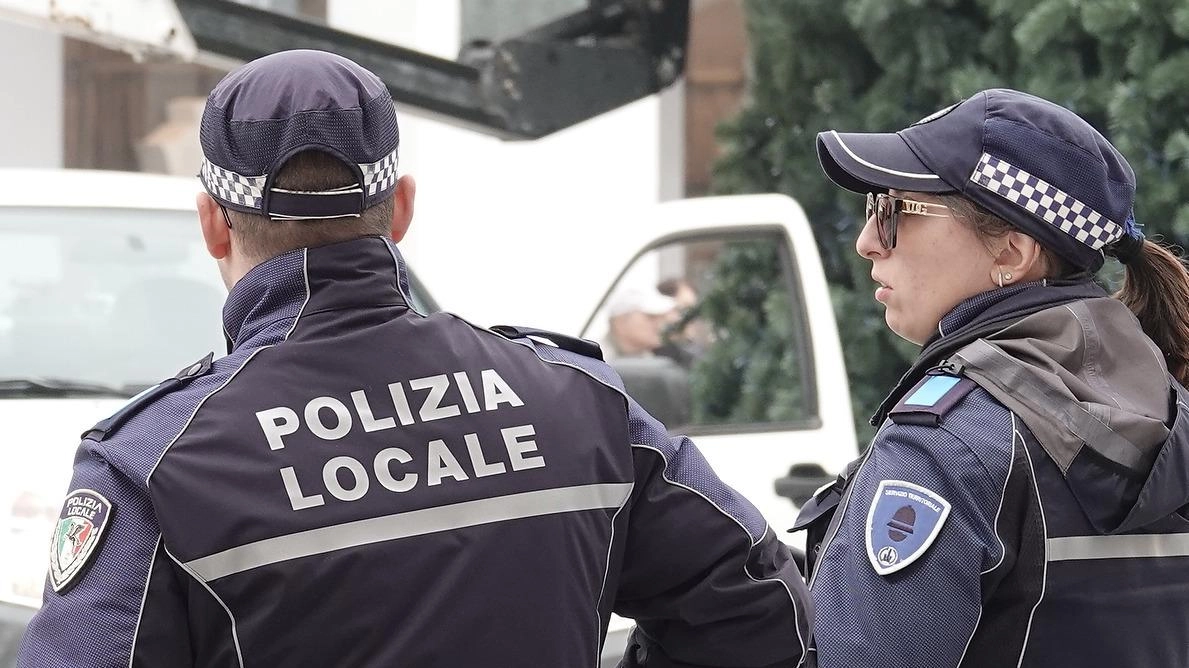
(1023, 503)
(357, 484)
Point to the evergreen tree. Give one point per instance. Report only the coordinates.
(752, 374)
(880, 65)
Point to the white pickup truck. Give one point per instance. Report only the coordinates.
(105, 293)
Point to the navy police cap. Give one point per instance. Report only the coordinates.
(272, 108)
(1035, 164)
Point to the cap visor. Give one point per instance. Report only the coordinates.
(866, 162)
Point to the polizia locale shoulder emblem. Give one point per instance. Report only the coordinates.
(85, 515)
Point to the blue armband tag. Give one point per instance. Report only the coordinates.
(903, 521)
(931, 390)
(928, 402)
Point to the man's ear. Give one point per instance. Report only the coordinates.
(215, 230)
(402, 209)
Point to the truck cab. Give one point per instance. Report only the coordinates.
(105, 293)
(748, 362)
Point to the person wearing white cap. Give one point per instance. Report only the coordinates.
(637, 317)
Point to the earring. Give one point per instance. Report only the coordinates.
(1007, 277)
(1001, 278)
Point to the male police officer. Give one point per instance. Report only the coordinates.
(357, 484)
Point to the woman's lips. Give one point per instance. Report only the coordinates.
(882, 291)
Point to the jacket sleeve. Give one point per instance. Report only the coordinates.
(705, 578)
(881, 598)
(109, 606)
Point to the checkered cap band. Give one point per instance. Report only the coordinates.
(231, 187)
(1047, 202)
(380, 175)
(248, 191)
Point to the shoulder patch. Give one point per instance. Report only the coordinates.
(584, 347)
(928, 402)
(901, 524)
(109, 425)
(80, 529)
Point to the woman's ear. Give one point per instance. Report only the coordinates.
(1020, 258)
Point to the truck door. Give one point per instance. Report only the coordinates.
(722, 328)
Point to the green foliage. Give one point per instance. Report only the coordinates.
(752, 373)
(880, 65)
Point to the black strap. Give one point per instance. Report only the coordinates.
(584, 347)
(1009, 380)
(109, 425)
(291, 205)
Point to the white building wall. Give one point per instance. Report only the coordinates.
(503, 229)
(31, 116)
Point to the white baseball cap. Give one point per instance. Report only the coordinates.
(644, 300)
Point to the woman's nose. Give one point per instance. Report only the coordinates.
(868, 245)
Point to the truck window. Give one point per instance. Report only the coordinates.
(709, 332)
(112, 296)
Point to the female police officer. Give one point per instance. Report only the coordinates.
(1023, 502)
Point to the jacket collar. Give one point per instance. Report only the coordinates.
(970, 309)
(982, 315)
(362, 272)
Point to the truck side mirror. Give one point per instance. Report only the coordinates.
(801, 482)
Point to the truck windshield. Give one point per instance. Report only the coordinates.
(114, 297)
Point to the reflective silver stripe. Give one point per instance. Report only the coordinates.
(412, 523)
(1119, 547)
(872, 165)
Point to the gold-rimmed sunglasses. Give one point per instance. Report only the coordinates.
(887, 210)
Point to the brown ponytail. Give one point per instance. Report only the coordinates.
(1156, 289)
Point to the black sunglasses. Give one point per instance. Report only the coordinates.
(887, 210)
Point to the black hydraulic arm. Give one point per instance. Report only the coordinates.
(549, 78)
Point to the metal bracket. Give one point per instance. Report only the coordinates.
(550, 78)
